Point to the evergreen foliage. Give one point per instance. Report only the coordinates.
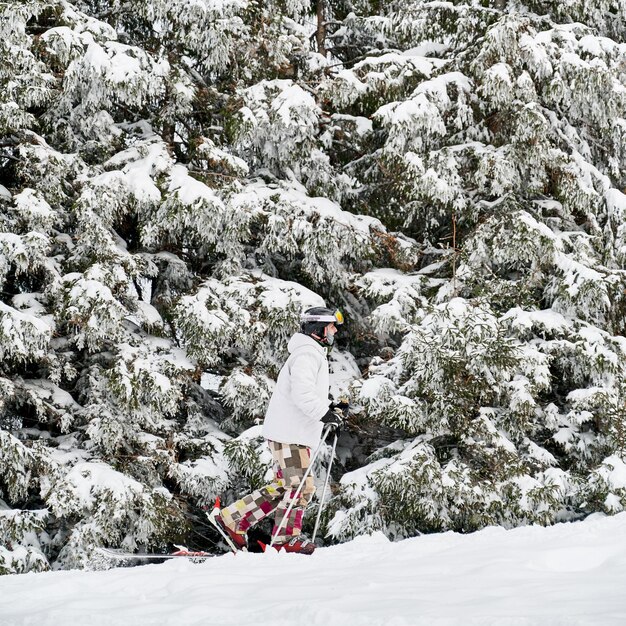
(178, 180)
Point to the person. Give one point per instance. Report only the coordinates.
(296, 416)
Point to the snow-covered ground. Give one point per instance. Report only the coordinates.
(564, 575)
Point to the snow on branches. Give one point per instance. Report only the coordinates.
(181, 179)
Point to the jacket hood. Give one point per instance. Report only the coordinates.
(301, 341)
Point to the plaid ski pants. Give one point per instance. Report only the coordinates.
(290, 463)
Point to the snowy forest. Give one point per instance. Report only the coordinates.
(180, 179)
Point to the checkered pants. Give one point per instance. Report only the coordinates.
(290, 463)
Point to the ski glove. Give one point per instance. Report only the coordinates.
(342, 406)
(334, 420)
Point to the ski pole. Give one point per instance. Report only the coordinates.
(319, 513)
(300, 486)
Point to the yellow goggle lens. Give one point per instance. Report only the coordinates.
(339, 317)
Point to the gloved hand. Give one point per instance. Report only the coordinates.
(333, 419)
(343, 406)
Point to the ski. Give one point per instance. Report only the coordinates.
(211, 515)
(179, 554)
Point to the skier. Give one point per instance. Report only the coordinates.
(296, 416)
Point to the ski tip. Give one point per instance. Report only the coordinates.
(263, 545)
(218, 503)
(191, 553)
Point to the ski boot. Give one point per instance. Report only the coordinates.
(296, 544)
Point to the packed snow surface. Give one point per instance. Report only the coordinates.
(567, 574)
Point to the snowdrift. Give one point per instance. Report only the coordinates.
(567, 574)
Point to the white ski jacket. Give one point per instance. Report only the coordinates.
(300, 398)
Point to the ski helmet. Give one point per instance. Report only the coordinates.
(314, 320)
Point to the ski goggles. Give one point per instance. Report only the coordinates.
(335, 318)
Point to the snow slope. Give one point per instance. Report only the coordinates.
(564, 575)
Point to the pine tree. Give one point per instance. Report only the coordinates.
(503, 380)
(146, 247)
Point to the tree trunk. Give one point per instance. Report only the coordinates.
(320, 34)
